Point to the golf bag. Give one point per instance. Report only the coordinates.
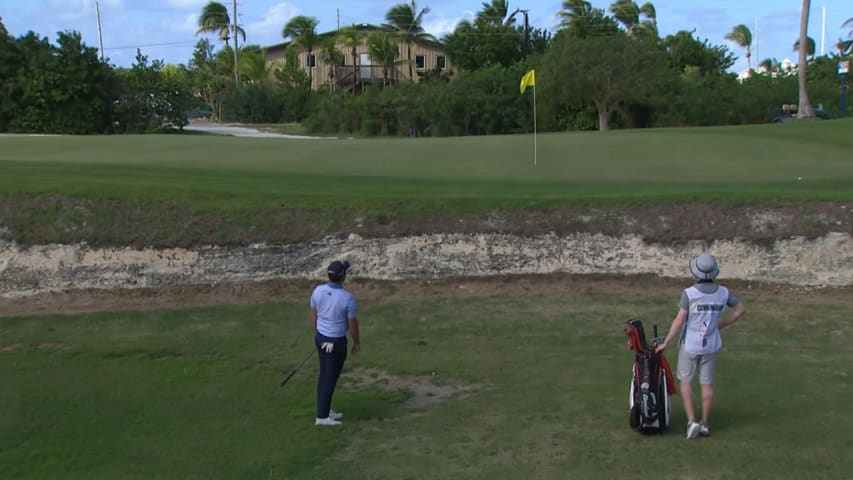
(651, 383)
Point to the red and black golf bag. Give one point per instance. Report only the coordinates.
(651, 383)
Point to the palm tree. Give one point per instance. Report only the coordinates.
(407, 22)
(330, 55)
(575, 14)
(351, 38)
(383, 49)
(651, 14)
(770, 65)
(224, 62)
(214, 19)
(810, 47)
(626, 12)
(253, 65)
(462, 46)
(804, 110)
(580, 19)
(497, 14)
(302, 30)
(846, 46)
(741, 35)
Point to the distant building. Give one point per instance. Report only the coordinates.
(426, 56)
(784, 68)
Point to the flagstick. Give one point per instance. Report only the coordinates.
(534, 126)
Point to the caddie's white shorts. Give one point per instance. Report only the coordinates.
(689, 363)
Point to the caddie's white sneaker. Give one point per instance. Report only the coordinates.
(335, 415)
(693, 429)
(326, 422)
(704, 431)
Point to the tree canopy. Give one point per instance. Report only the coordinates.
(604, 68)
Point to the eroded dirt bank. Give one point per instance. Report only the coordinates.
(26, 271)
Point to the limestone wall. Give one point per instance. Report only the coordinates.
(826, 261)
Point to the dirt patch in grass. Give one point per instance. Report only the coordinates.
(11, 347)
(383, 291)
(425, 391)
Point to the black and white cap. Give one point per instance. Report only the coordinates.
(338, 268)
(704, 267)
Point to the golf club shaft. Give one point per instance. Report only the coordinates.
(297, 368)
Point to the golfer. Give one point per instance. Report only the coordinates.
(333, 314)
(698, 322)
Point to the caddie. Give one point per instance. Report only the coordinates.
(698, 324)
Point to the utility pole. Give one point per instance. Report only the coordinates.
(339, 18)
(100, 37)
(757, 40)
(823, 33)
(843, 69)
(234, 27)
(526, 33)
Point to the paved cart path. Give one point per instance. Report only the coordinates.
(238, 131)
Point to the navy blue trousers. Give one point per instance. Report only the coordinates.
(331, 365)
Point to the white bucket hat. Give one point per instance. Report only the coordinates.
(704, 267)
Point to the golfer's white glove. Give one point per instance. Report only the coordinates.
(327, 346)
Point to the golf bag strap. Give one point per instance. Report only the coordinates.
(670, 383)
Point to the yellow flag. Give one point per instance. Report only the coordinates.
(528, 80)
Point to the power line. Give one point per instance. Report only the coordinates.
(164, 44)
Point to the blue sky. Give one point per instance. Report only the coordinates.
(165, 29)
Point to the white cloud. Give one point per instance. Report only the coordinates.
(272, 22)
(70, 10)
(194, 4)
(78, 9)
(708, 19)
(788, 20)
(188, 25)
(444, 25)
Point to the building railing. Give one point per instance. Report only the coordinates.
(366, 74)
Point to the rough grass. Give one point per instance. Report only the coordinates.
(194, 393)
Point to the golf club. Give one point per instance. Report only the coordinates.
(297, 368)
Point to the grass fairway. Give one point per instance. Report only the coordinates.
(194, 393)
(225, 173)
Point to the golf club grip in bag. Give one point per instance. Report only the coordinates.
(651, 383)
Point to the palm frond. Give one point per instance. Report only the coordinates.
(214, 19)
(810, 46)
(740, 35)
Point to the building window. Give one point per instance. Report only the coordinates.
(311, 60)
(343, 60)
(441, 62)
(420, 62)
